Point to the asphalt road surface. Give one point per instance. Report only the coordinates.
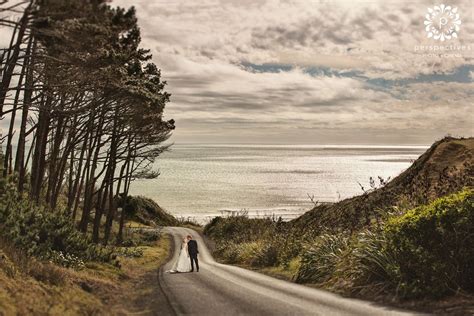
(220, 289)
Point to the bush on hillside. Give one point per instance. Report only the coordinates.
(369, 267)
(243, 240)
(427, 251)
(434, 245)
(48, 235)
(319, 261)
(257, 242)
(239, 228)
(146, 211)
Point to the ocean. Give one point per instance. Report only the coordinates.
(201, 181)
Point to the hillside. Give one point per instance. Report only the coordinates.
(148, 212)
(29, 286)
(446, 167)
(388, 245)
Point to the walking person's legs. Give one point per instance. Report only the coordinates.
(194, 260)
(197, 262)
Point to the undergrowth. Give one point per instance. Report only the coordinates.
(47, 235)
(423, 252)
(427, 251)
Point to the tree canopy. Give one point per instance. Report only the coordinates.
(85, 107)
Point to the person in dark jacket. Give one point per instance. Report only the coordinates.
(193, 253)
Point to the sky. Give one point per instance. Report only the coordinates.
(309, 72)
(313, 72)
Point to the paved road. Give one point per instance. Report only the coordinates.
(220, 289)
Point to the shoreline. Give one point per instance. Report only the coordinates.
(287, 214)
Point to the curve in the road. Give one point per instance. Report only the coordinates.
(220, 289)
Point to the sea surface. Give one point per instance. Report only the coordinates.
(204, 181)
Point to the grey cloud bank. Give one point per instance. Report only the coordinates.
(308, 71)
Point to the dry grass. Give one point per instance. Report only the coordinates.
(284, 273)
(44, 289)
(138, 293)
(30, 287)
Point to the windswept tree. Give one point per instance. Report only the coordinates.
(85, 108)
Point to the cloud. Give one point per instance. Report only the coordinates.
(307, 71)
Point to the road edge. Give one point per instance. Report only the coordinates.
(170, 309)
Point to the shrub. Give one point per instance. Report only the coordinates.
(369, 266)
(258, 242)
(267, 256)
(319, 261)
(150, 236)
(427, 251)
(255, 254)
(47, 235)
(66, 260)
(246, 252)
(239, 228)
(433, 245)
(140, 237)
(130, 252)
(146, 211)
(289, 243)
(269, 242)
(227, 252)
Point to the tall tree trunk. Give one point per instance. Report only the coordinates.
(8, 153)
(20, 167)
(61, 171)
(98, 215)
(39, 156)
(79, 173)
(112, 163)
(12, 61)
(123, 197)
(90, 183)
(53, 168)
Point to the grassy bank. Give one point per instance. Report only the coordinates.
(420, 258)
(29, 286)
(48, 267)
(410, 248)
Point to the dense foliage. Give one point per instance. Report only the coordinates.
(47, 235)
(427, 251)
(257, 242)
(434, 246)
(146, 211)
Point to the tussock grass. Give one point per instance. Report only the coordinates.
(426, 252)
